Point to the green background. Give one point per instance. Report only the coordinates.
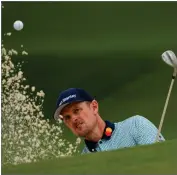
(111, 49)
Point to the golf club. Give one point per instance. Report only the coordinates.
(170, 58)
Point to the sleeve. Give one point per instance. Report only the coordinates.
(145, 132)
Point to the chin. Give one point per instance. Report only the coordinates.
(81, 134)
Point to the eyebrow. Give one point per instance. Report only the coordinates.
(65, 116)
(72, 107)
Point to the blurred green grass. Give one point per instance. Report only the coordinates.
(150, 159)
(91, 27)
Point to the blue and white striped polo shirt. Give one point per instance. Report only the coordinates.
(133, 131)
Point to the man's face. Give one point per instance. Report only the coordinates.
(80, 117)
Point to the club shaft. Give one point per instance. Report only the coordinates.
(165, 108)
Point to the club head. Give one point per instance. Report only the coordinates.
(170, 58)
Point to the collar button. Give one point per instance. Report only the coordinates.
(100, 142)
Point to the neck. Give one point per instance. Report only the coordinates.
(96, 134)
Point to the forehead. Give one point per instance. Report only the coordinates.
(71, 106)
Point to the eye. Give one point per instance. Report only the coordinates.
(67, 117)
(76, 111)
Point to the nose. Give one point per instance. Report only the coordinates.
(74, 118)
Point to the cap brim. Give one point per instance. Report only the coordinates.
(59, 109)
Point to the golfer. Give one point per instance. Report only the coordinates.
(80, 112)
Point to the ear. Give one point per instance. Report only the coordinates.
(94, 105)
(60, 117)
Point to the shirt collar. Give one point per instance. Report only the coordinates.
(107, 133)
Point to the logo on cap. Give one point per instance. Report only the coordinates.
(67, 98)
